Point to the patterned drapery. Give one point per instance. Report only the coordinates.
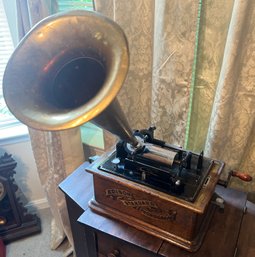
(161, 37)
(231, 135)
(57, 154)
(214, 22)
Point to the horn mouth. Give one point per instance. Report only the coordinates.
(66, 71)
(76, 83)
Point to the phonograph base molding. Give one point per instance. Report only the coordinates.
(190, 245)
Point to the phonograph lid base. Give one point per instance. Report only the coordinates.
(175, 220)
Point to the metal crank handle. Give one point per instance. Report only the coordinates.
(238, 174)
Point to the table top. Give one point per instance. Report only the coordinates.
(229, 231)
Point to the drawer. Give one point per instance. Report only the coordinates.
(109, 246)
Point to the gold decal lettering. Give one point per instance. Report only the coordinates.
(146, 207)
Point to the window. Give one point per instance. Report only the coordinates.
(65, 5)
(11, 130)
(6, 49)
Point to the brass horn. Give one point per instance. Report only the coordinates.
(68, 70)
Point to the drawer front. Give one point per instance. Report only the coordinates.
(112, 247)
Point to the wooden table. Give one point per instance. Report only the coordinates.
(231, 232)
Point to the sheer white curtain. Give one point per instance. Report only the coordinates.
(231, 135)
(161, 36)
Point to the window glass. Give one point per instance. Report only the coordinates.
(65, 5)
(6, 49)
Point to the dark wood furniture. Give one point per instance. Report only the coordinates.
(15, 220)
(2, 249)
(230, 232)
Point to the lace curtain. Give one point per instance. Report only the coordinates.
(161, 37)
(192, 74)
(231, 134)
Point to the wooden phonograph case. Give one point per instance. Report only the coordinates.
(168, 199)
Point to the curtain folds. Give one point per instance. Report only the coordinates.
(57, 154)
(216, 112)
(136, 19)
(214, 23)
(175, 24)
(161, 37)
(231, 131)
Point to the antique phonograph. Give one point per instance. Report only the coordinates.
(169, 198)
(77, 64)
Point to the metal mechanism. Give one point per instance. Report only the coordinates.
(161, 166)
(67, 71)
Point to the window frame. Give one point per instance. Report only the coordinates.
(6, 48)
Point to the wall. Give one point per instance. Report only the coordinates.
(26, 176)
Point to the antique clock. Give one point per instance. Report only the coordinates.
(2, 191)
(2, 195)
(15, 221)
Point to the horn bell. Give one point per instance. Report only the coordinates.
(68, 70)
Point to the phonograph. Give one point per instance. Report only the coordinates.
(68, 70)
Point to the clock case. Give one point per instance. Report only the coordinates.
(15, 220)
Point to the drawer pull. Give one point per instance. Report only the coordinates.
(114, 253)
